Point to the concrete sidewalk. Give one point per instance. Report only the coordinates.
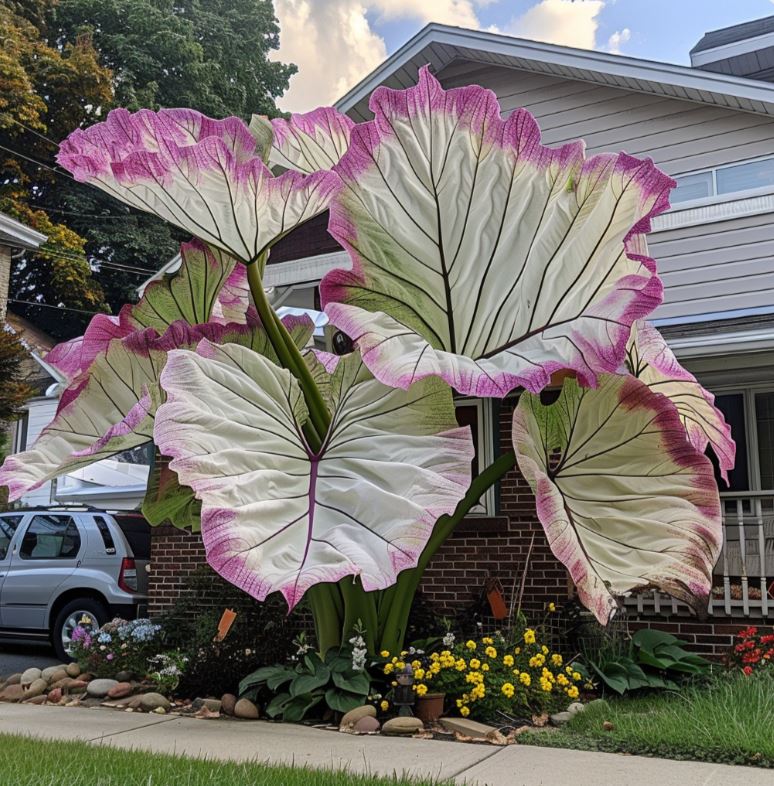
(300, 745)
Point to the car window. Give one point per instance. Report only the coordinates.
(8, 525)
(104, 531)
(51, 537)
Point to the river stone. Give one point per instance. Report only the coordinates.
(36, 688)
(48, 673)
(59, 674)
(576, 707)
(124, 676)
(55, 696)
(150, 702)
(353, 716)
(39, 699)
(245, 709)
(402, 726)
(560, 718)
(12, 693)
(120, 691)
(30, 675)
(227, 703)
(367, 725)
(75, 686)
(100, 688)
(213, 705)
(14, 679)
(73, 669)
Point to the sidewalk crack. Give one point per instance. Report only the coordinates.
(475, 764)
(136, 728)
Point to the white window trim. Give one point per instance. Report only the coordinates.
(484, 450)
(719, 209)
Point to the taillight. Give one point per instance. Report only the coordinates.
(127, 578)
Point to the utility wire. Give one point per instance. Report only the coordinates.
(58, 308)
(60, 172)
(31, 130)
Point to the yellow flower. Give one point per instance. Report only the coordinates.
(475, 663)
(529, 636)
(572, 692)
(459, 703)
(485, 667)
(562, 680)
(419, 674)
(394, 684)
(544, 650)
(576, 676)
(403, 653)
(385, 705)
(388, 668)
(551, 608)
(465, 711)
(400, 665)
(508, 660)
(435, 668)
(434, 657)
(490, 652)
(415, 664)
(487, 640)
(569, 669)
(471, 645)
(385, 654)
(517, 651)
(546, 685)
(556, 659)
(421, 689)
(525, 679)
(536, 661)
(460, 665)
(508, 690)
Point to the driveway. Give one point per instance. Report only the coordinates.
(17, 657)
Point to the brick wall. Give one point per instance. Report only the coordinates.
(175, 555)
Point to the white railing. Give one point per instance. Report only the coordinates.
(743, 580)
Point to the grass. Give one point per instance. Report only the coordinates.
(33, 762)
(729, 720)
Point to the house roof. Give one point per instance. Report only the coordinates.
(37, 340)
(440, 45)
(734, 33)
(18, 235)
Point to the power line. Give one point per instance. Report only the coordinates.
(94, 261)
(58, 308)
(38, 163)
(31, 130)
(46, 209)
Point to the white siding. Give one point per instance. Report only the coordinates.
(41, 412)
(709, 268)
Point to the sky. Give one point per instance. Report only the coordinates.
(335, 43)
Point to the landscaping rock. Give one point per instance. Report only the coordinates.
(159, 711)
(30, 675)
(14, 679)
(47, 673)
(367, 725)
(402, 726)
(100, 688)
(62, 684)
(560, 718)
(73, 669)
(246, 710)
(55, 696)
(12, 693)
(227, 703)
(576, 707)
(75, 686)
(120, 691)
(135, 703)
(36, 688)
(39, 699)
(59, 674)
(213, 705)
(150, 702)
(124, 676)
(468, 728)
(353, 716)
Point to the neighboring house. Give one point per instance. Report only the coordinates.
(14, 237)
(711, 126)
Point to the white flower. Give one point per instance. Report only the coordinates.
(448, 640)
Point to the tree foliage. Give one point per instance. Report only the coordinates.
(14, 391)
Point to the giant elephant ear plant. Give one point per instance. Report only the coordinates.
(482, 262)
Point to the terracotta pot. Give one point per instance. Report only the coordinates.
(429, 707)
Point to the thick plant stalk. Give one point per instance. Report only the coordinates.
(327, 614)
(359, 607)
(397, 600)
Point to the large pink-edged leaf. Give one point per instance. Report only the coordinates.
(626, 501)
(306, 143)
(209, 286)
(277, 516)
(202, 175)
(650, 359)
(487, 258)
(111, 408)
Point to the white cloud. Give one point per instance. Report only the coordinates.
(560, 22)
(618, 38)
(447, 12)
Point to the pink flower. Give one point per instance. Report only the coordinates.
(110, 656)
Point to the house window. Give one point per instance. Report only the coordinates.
(748, 176)
(478, 414)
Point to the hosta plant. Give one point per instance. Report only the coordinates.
(483, 263)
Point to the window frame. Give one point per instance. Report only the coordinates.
(73, 521)
(485, 450)
(729, 196)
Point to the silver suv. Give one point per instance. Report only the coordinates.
(59, 564)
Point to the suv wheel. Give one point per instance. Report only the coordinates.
(70, 617)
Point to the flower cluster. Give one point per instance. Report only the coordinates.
(166, 670)
(490, 675)
(119, 645)
(753, 650)
(359, 652)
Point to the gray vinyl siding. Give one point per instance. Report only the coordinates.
(723, 266)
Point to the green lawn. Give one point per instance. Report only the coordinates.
(729, 720)
(25, 761)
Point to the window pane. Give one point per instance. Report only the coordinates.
(732, 407)
(51, 537)
(743, 177)
(692, 187)
(467, 415)
(8, 525)
(764, 416)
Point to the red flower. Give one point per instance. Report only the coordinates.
(747, 670)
